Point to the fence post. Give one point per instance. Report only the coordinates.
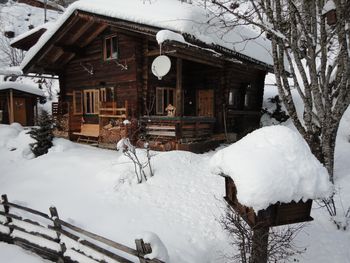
(58, 227)
(143, 249)
(4, 202)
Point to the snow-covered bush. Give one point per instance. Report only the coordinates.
(276, 113)
(140, 165)
(43, 135)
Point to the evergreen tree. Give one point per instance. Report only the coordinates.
(43, 135)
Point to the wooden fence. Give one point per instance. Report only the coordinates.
(60, 241)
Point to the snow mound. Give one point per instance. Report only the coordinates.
(270, 165)
(159, 251)
(8, 132)
(61, 145)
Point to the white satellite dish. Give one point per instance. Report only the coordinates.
(161, 66)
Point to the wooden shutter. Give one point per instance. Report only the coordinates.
(96, 101)
(160, 100)
(77, 102)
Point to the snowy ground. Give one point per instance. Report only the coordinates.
(96, 189)
(14, 254)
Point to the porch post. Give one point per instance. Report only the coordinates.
(11, 113)
(179, 104)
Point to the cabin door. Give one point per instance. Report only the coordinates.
(206, 103)
(20, 113)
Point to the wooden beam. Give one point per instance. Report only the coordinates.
(58, 54)
(12, 113)
(68, 25)
(69, 48)
(179, 99)
(80, 32)
(91, 37)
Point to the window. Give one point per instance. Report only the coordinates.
(234, 98)
(111, 48)
(164, 97)
(250, 98)
(103, 95)
(77, 102)
(91, 101)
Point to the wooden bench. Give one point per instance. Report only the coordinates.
(89, 133)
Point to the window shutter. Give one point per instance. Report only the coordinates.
(96, 101)
(77, 102)
(159, 101)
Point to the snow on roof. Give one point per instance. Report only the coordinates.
(172, 15)
(30, 32)
(328, 6)
(270, 165)
(11, 71)
(22, 87)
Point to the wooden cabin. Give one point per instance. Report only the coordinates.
(104, 68)
(18, 103)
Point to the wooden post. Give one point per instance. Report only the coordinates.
(143, 248)
(58, 227)
(259, 246)
(4, 202)
(179, 102)
(11, 113)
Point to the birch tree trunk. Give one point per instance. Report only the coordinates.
(307, 49)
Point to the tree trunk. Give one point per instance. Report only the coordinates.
(328, 150)
(259, 246)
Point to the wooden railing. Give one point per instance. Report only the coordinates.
(110, 110)
(182, 129)
(59, 241)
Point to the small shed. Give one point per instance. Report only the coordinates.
(18, 103)
(271, 177)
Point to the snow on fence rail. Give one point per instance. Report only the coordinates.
(59, 241)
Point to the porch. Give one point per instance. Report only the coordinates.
(189, 133)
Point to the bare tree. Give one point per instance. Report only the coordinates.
(140, 165)
(281, 240)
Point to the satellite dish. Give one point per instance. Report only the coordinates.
(161, 66)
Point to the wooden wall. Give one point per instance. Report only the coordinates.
(106, 73)
(131, 84)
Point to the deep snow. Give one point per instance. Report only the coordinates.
(96, 189)
(284, 168)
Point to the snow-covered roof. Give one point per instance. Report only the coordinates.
(171, 15)
(30, 32)
(270, 165)
(11, 71)
(22, 87)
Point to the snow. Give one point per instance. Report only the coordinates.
(164, 35)
(328, 6)
(22, 87)
(8, 132)
(11, 71)
(171, 15)
(37, 240)
(96, 189)
(284, 168)
(159, 251)
(34, 229)
(29, 32)
(14, 254)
